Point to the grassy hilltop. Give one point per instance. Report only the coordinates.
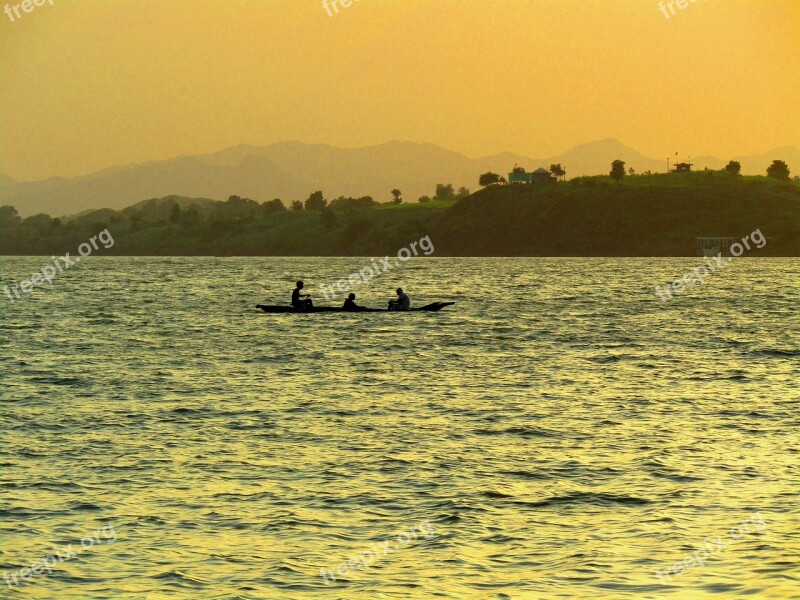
(650, 215)
(644, 215)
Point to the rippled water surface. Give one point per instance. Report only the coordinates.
(558, 433)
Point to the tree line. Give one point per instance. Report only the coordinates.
(777, 170)
(198, 217)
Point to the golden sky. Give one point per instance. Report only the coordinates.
(88, 84)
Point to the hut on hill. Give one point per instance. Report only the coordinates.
(540, 176)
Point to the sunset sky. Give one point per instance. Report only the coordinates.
(88, 84)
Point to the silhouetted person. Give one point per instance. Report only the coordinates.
(403, 302)
(350, 304)
(301, 301)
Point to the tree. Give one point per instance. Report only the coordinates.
(237, 208)
(175, 214)
(631, 171)
(297, 205)
(488, 178)
(462, 192)
(316, 201)
(557, 170)
(734, 167)
(191, 215)
(41, 223)
(328, 218)
(98, 226)
(9, 217)
(137, 218)
(351, 204)
(272, 206)
(397, 196)
(424, 199)
(445, 192)
(618, 170)
(778, 170)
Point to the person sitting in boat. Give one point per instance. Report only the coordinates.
(301, 301)
(350, 304)
(403, 302)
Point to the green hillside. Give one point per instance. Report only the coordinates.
(657, 215)
(645, 215)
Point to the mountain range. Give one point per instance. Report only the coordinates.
(292, 170)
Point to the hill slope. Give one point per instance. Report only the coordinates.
(655, 216)
(658, 215)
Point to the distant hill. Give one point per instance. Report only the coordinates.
(148, 209)
(593, 159)
(292, 170)
(158, 204)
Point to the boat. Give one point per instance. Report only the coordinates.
(267, 308)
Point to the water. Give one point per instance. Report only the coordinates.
(559, 433)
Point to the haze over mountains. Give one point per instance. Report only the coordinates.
(292, 170)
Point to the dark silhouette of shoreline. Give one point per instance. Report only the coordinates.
(642, 215)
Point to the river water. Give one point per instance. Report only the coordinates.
(558, 433)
